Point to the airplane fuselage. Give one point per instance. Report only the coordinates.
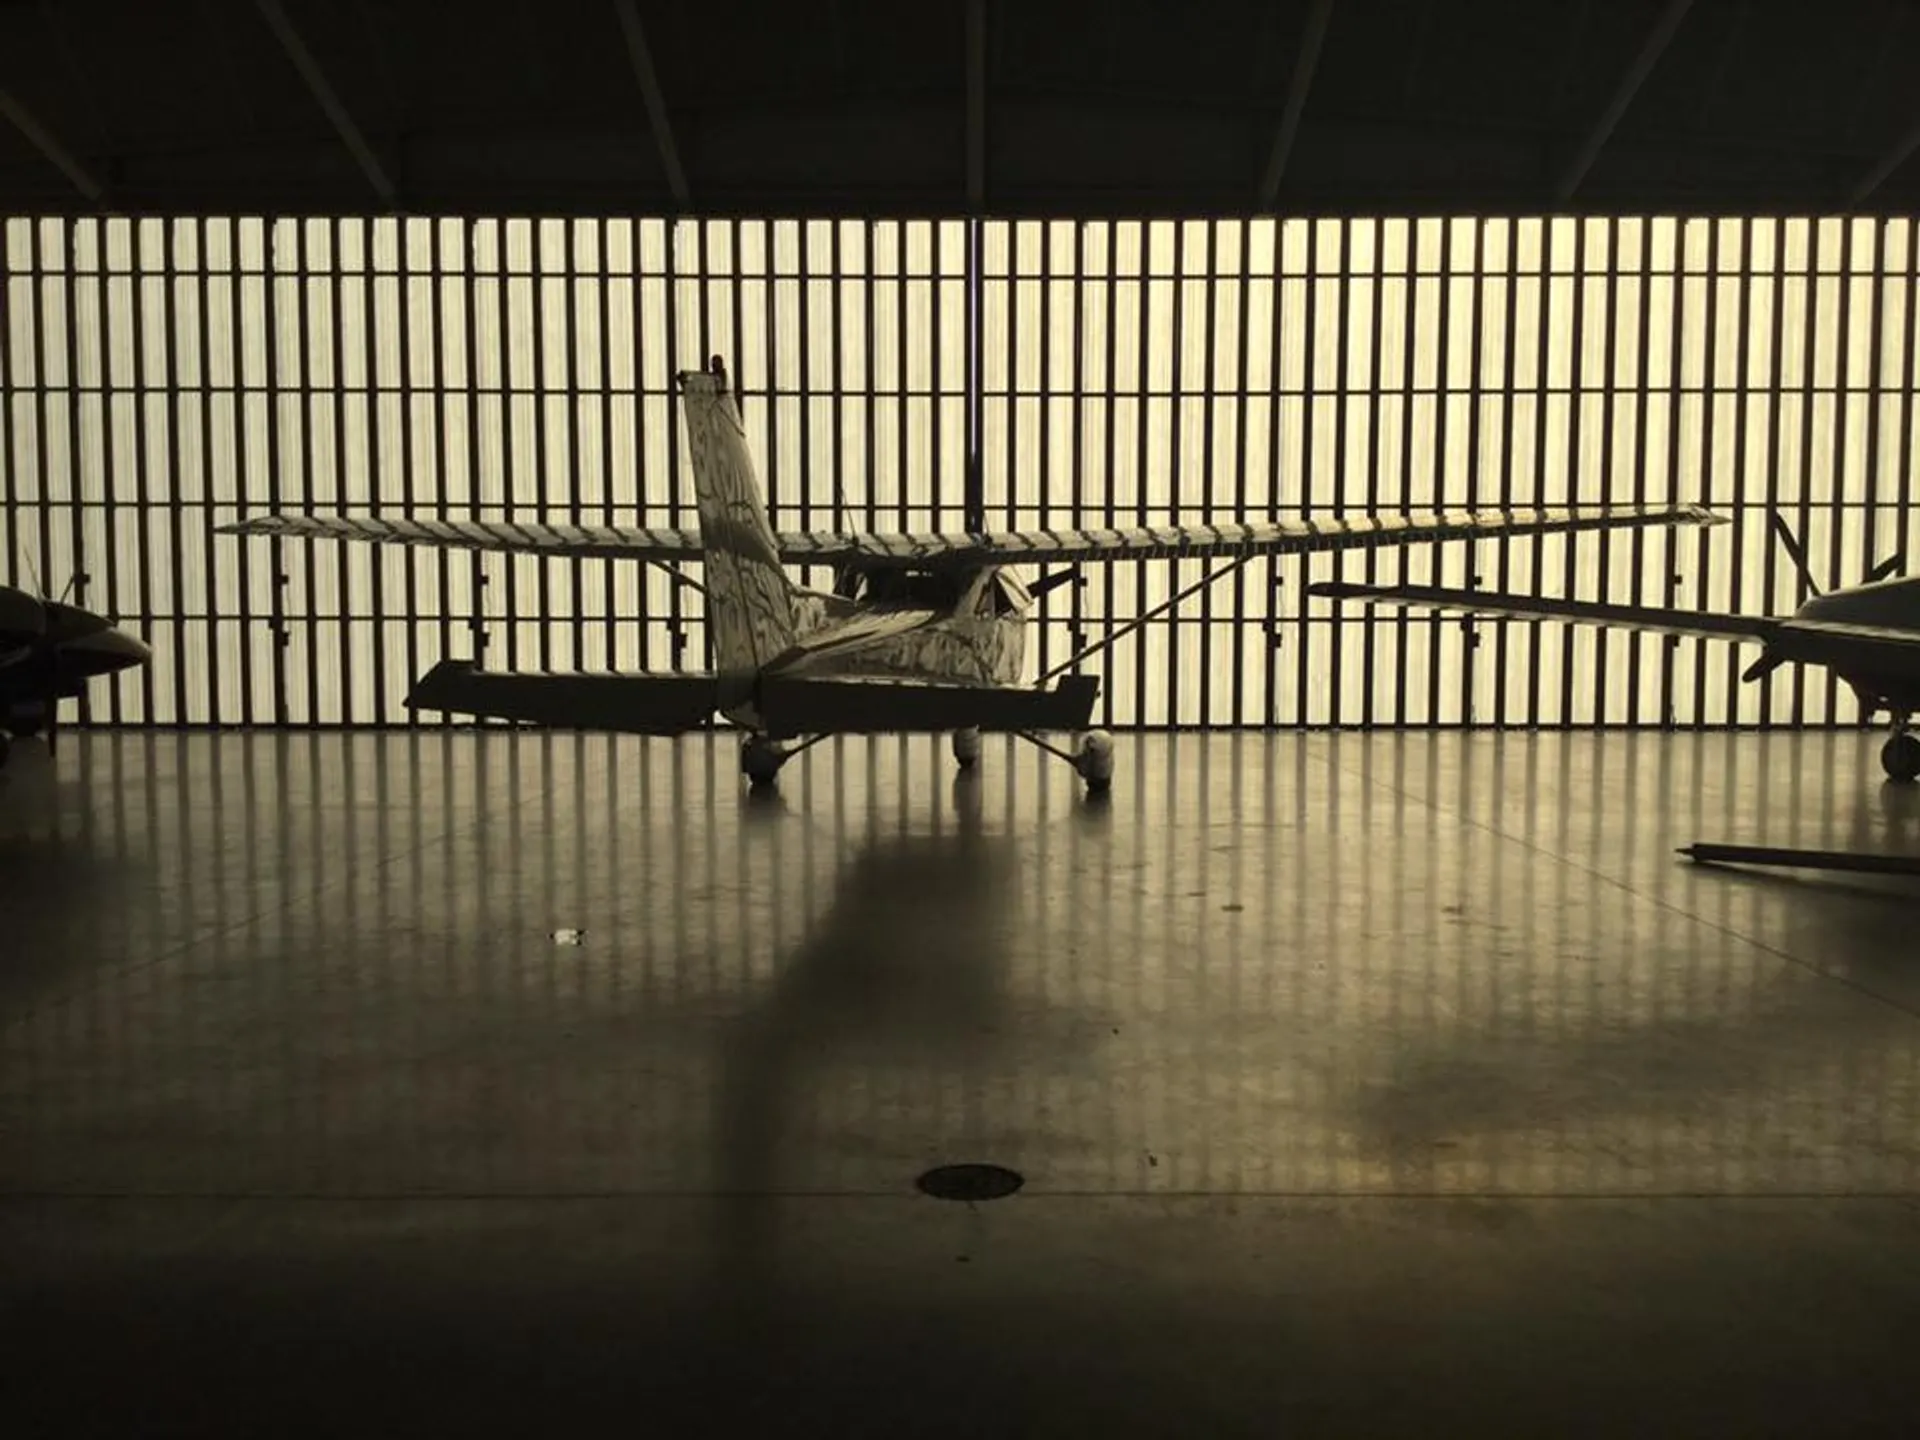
(1882, 679)
(975, 634)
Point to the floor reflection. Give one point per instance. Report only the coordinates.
(906, 967)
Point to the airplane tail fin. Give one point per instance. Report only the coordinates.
(749, 598)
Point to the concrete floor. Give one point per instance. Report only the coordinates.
(1362, 1084)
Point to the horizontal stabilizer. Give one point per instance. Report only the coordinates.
(1543, 607)
(631, 704)
(795, 706)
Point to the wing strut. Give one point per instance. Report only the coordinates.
(1219, 572)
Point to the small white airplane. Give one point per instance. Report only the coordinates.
(1868, 635)
(920, 633)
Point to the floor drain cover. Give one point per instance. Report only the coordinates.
(970, 1182)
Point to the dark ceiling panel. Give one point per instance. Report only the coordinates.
(1092, 107)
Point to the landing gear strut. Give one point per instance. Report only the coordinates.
(1091, 758)
(1900, 756)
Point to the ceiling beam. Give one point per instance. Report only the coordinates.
(976, 105)
(61, 158)
(1876, 175)
(329, 102)
(1651, 49)
(1306, 60)
(640, 55)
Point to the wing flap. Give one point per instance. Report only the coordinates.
(1543, 607)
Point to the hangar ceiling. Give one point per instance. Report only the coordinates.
(1037, 108)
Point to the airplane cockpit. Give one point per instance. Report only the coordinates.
(989, 593)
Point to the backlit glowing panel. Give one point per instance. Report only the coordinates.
(164, 376)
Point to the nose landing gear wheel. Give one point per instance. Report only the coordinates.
(966, 748)
(1900, 757)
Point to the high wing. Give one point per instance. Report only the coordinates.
(1542, 607)
(930, 551)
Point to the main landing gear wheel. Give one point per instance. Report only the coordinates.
(1093, 759)
(1900, 756)
(760, 761)
(966, 748)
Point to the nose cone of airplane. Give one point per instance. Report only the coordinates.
(102, 652)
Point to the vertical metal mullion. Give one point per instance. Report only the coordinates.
(1903, 470)
(310, 553)
(1808, 391)
(869, 336)
(1712, 322)
(1876, 337)
(1210, 382)
(237, 426)
(143, 496)
(903, 375)
(1109, 508)
(1243, 348)
(1704, 586)
(1078, 438)
(609, 590)
(1475, 342)
(1370, 555)
(403, 342)
(1175, 396)
(1610, 335)
(1669, 582)
(1837, 503)
(210, 582)
(1302, 680)
(1044, 479)
(1577, 338)
(109, 470)
(576, 568)
(437, 338)
(1769, 557)
(676, 615)
(1141, 457)
(1336, 689)
(476, 559)
(336, 350)
(1402, 622)
(9, 385)
(771, 471)
(1011, 399)
(537, 304)
(376, 467)
(509, 501)
(1509, 428)
(176, 404)
(270, 319)
(76, 506)
(1442, 393)
(805, 482)
(36, 271)
(1543, 389)
(836, 367)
